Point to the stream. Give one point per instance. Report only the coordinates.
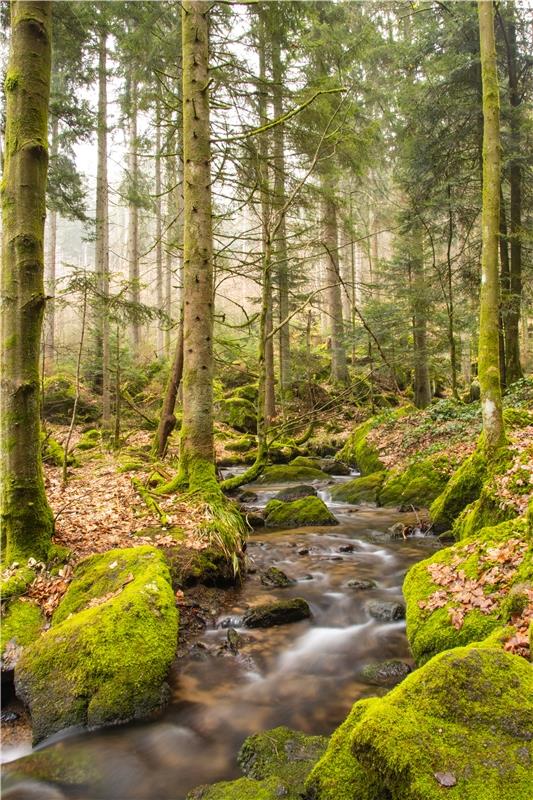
(305, 675)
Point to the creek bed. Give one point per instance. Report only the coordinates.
(305, 675)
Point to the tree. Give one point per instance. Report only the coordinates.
(489, 357)
(27, 521)
(196, 444)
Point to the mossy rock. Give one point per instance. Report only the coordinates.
(238, 413)
(357, 452)
(365, 489)
(462, 489)
(291, 474)
(295, 493)
(15, 582)
(89, 439)
(281, 612)
(458, 727)
(59, 394)
(431, 632)
(250, 392)
(208, 567)
(298, 514)
(21, 623)
(241, 445)
(305, 461)
(517, 417)
(107, 654)
(242, 789)
(419, 484)
(73, 766)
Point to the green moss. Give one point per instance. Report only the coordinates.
(242, 789)
(21, 623)
(291, 474)
(51, 451)
(463, 488)
(241, 445)
(419, 484)
(16, 582)
(249, 391)
(361, 490)
(237, 412)
(58, 400)
(466, 713)
(517, 417)
(338, 775)
(54, 764)
(303, 461)
(359, 453)
(107, 654)
(89, 439)
(300, 513)
(131, 465)
(432, 632)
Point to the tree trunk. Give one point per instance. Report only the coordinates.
(49, 340)
(133, 216)
(280, 245)
(513, 369)
(450, 302)
(489, 369)
(158, 231)
(419, 310)
(339, 370)
(266, 346)
(167, 422)
(26, 519)
(197, 445)
(102, 230)
(505, 289)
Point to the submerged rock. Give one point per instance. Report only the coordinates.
(459, 727)
(361, 585)
(106, 656)
(299, 513)
(276, 577)
(385, 610)
(295, 493)
(280, 613)
(386, 673)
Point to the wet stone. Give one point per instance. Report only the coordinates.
(295, 493)
(276, 577)
(386, 673)
(346, 548)
(385, 611)
(361, 585)
(281, 613)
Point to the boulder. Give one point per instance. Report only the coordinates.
(359, 490)
(285, 473)
(386, 673)
(276, 578)
(385, 610)
(278, 613)
(299, 513)
(295, 493)
(237, 412)
(458, 727)
(361, 585)
(106, 656)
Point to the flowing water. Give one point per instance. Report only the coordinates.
(305, 675)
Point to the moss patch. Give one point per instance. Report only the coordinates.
(432, 631)
(291, 474)
(107, 654)
(419, 484)
(463, 488)
(358, 452)
(21, 623)
(461, 722)
(300, 513)
(237, 412)
(361, 490)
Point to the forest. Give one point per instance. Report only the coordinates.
(266, 399)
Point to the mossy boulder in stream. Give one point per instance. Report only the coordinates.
(361, 490)
(458, 727)
(287, 473)
(275, 762)
(360, 453)
(279, 613)
(418, 484)
(459, 595)
(107, 654)
(298, 514)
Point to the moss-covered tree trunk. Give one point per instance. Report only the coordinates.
(26, 519)
(339, 369)
(49, 338)
(489, 367)
(196, 454)
(102, 230)
(279, 203)
(513, 367)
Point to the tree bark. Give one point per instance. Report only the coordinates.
(133, 216)
(167, 421)
(102, 230)
(26, 519)
(197, 444)
(49, 339)
(339, 370)
(280, 245)
(158, 231)
(419, 310)
(489, 368)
